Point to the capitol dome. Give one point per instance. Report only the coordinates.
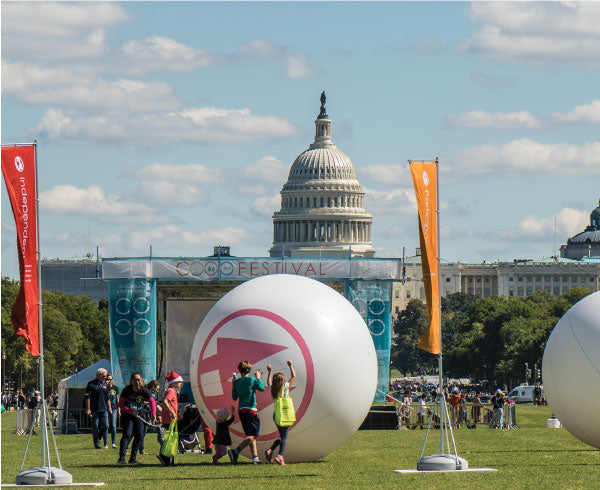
(586, 243)
(322, 203)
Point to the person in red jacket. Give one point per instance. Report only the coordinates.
(169, 410)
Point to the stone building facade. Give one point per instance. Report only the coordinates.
(517, 278)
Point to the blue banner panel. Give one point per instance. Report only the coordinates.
(132, 322)
(373, 301)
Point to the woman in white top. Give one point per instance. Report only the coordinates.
(279, 387)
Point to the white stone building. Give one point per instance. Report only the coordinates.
(322, 203)
(518, 278)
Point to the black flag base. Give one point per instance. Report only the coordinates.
(442, 462)
(48, 475)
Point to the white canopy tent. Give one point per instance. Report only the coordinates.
(71, 390)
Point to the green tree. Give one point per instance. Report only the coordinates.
(409, 327)
(75, 336)
(499, 335)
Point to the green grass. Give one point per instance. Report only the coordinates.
(530, 457)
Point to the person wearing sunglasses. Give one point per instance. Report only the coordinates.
(131, 402)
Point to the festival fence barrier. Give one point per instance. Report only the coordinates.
(23, 421)
(400, 416)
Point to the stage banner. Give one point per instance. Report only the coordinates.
(242, 268)
(424, 176)
(132, 327)
(373, 300)
(18, 169)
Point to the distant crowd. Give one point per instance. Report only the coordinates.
(467, 405)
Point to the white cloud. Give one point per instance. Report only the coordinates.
(537, 32)
(495, 120)
(57, 31)
(568, 221)
(190, 173)
(68, 199)
(173, 235)
(577, 19)
(585, 113)
(171, 193)
(268, 169)
(162, 53)
(264, 207)
(524, 156)
(122, 96)
(379, 173)
(391, 202)
(199, 125)
(258, 48)
(19, 79)
(298, 66)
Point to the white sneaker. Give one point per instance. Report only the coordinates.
(114, 446)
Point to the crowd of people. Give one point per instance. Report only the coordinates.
(466, 405)
(137, 408)
(18, 400)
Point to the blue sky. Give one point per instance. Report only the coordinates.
(175, 124)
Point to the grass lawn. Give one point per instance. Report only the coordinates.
(531, 457)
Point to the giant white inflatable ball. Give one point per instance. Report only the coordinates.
(269, 320)
(571, 370)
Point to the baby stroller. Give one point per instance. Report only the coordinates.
(187, 427)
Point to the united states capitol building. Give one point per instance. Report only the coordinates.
(322, 214)
(322, 203)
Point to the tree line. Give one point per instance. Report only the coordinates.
(75, 336)
(483, 338)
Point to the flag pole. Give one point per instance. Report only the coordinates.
(445, 460)
(45, 474)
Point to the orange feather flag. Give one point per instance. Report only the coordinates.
(424, 175)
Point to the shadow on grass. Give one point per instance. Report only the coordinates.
(183, 465)
(551, 464)
(526, 450)
(229, 477)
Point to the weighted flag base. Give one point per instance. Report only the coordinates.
(44, 476)
(442, 462)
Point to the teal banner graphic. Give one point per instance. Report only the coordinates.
(372, 299)
(132, 322)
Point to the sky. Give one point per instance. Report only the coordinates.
(174, 125)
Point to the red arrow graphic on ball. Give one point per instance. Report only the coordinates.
(229, 353)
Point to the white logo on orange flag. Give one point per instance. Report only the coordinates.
(424, 175)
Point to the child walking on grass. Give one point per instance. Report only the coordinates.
(244, 389)
(222, 437)
(279, 388)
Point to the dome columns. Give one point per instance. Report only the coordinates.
(322, 230)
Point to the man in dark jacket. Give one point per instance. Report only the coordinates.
(97, 402)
